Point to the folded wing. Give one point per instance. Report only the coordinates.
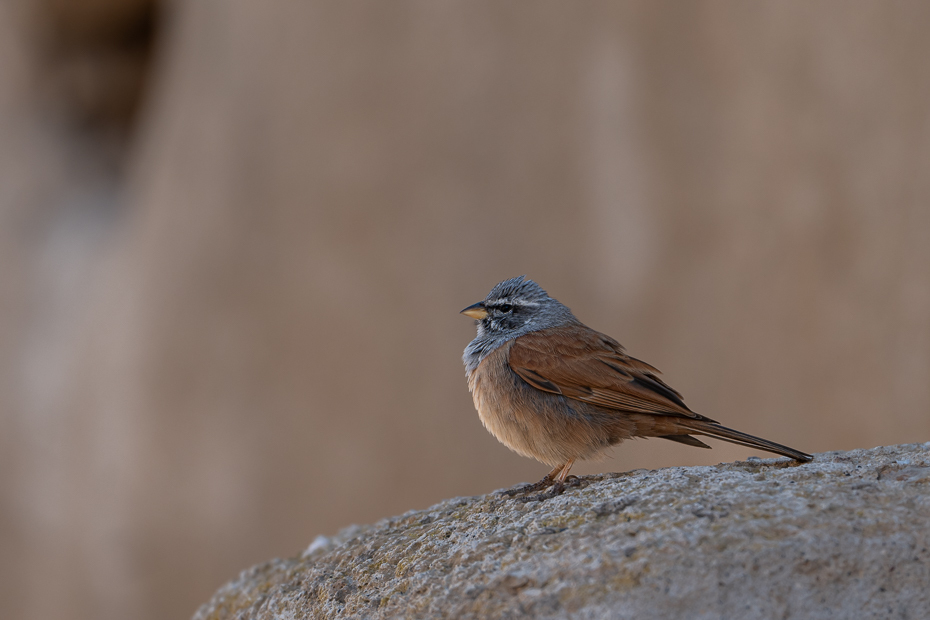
(580, 363)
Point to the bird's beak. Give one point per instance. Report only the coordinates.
(475, 311)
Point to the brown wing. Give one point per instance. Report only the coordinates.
(580, 363)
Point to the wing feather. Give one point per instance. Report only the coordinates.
(582, 364)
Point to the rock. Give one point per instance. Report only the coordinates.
(844, 536)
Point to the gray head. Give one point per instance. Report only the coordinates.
(513, 308)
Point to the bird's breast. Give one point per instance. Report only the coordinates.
(492, 389)
(532, 423)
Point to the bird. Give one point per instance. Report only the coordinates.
(551, 388)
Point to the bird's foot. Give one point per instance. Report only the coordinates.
(555, 490)
(523, 489)
(574, 481)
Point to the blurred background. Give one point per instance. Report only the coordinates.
(235, 238)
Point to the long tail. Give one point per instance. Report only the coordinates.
(712, 429)
(681, 429)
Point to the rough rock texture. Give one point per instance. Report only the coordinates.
(845, 536)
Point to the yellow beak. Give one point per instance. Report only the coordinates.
(475, 311)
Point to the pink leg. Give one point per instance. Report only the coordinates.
(542, 484)
(563, 471)
(558, 476)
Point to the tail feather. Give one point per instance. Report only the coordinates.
(688, 440)
(710, 429)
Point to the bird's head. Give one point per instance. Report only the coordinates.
(515, 307)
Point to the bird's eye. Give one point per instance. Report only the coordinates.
(505, 308)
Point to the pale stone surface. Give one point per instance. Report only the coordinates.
(845, 536)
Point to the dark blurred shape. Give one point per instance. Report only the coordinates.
(98, 56)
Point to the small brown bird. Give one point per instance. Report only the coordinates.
(551, 388)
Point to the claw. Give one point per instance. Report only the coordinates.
(557, 489)
(558, 479)
(528, 488)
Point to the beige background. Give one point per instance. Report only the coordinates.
(230, 300)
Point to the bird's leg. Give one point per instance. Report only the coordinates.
(571, 481)
(542, 484)
(557, 489)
